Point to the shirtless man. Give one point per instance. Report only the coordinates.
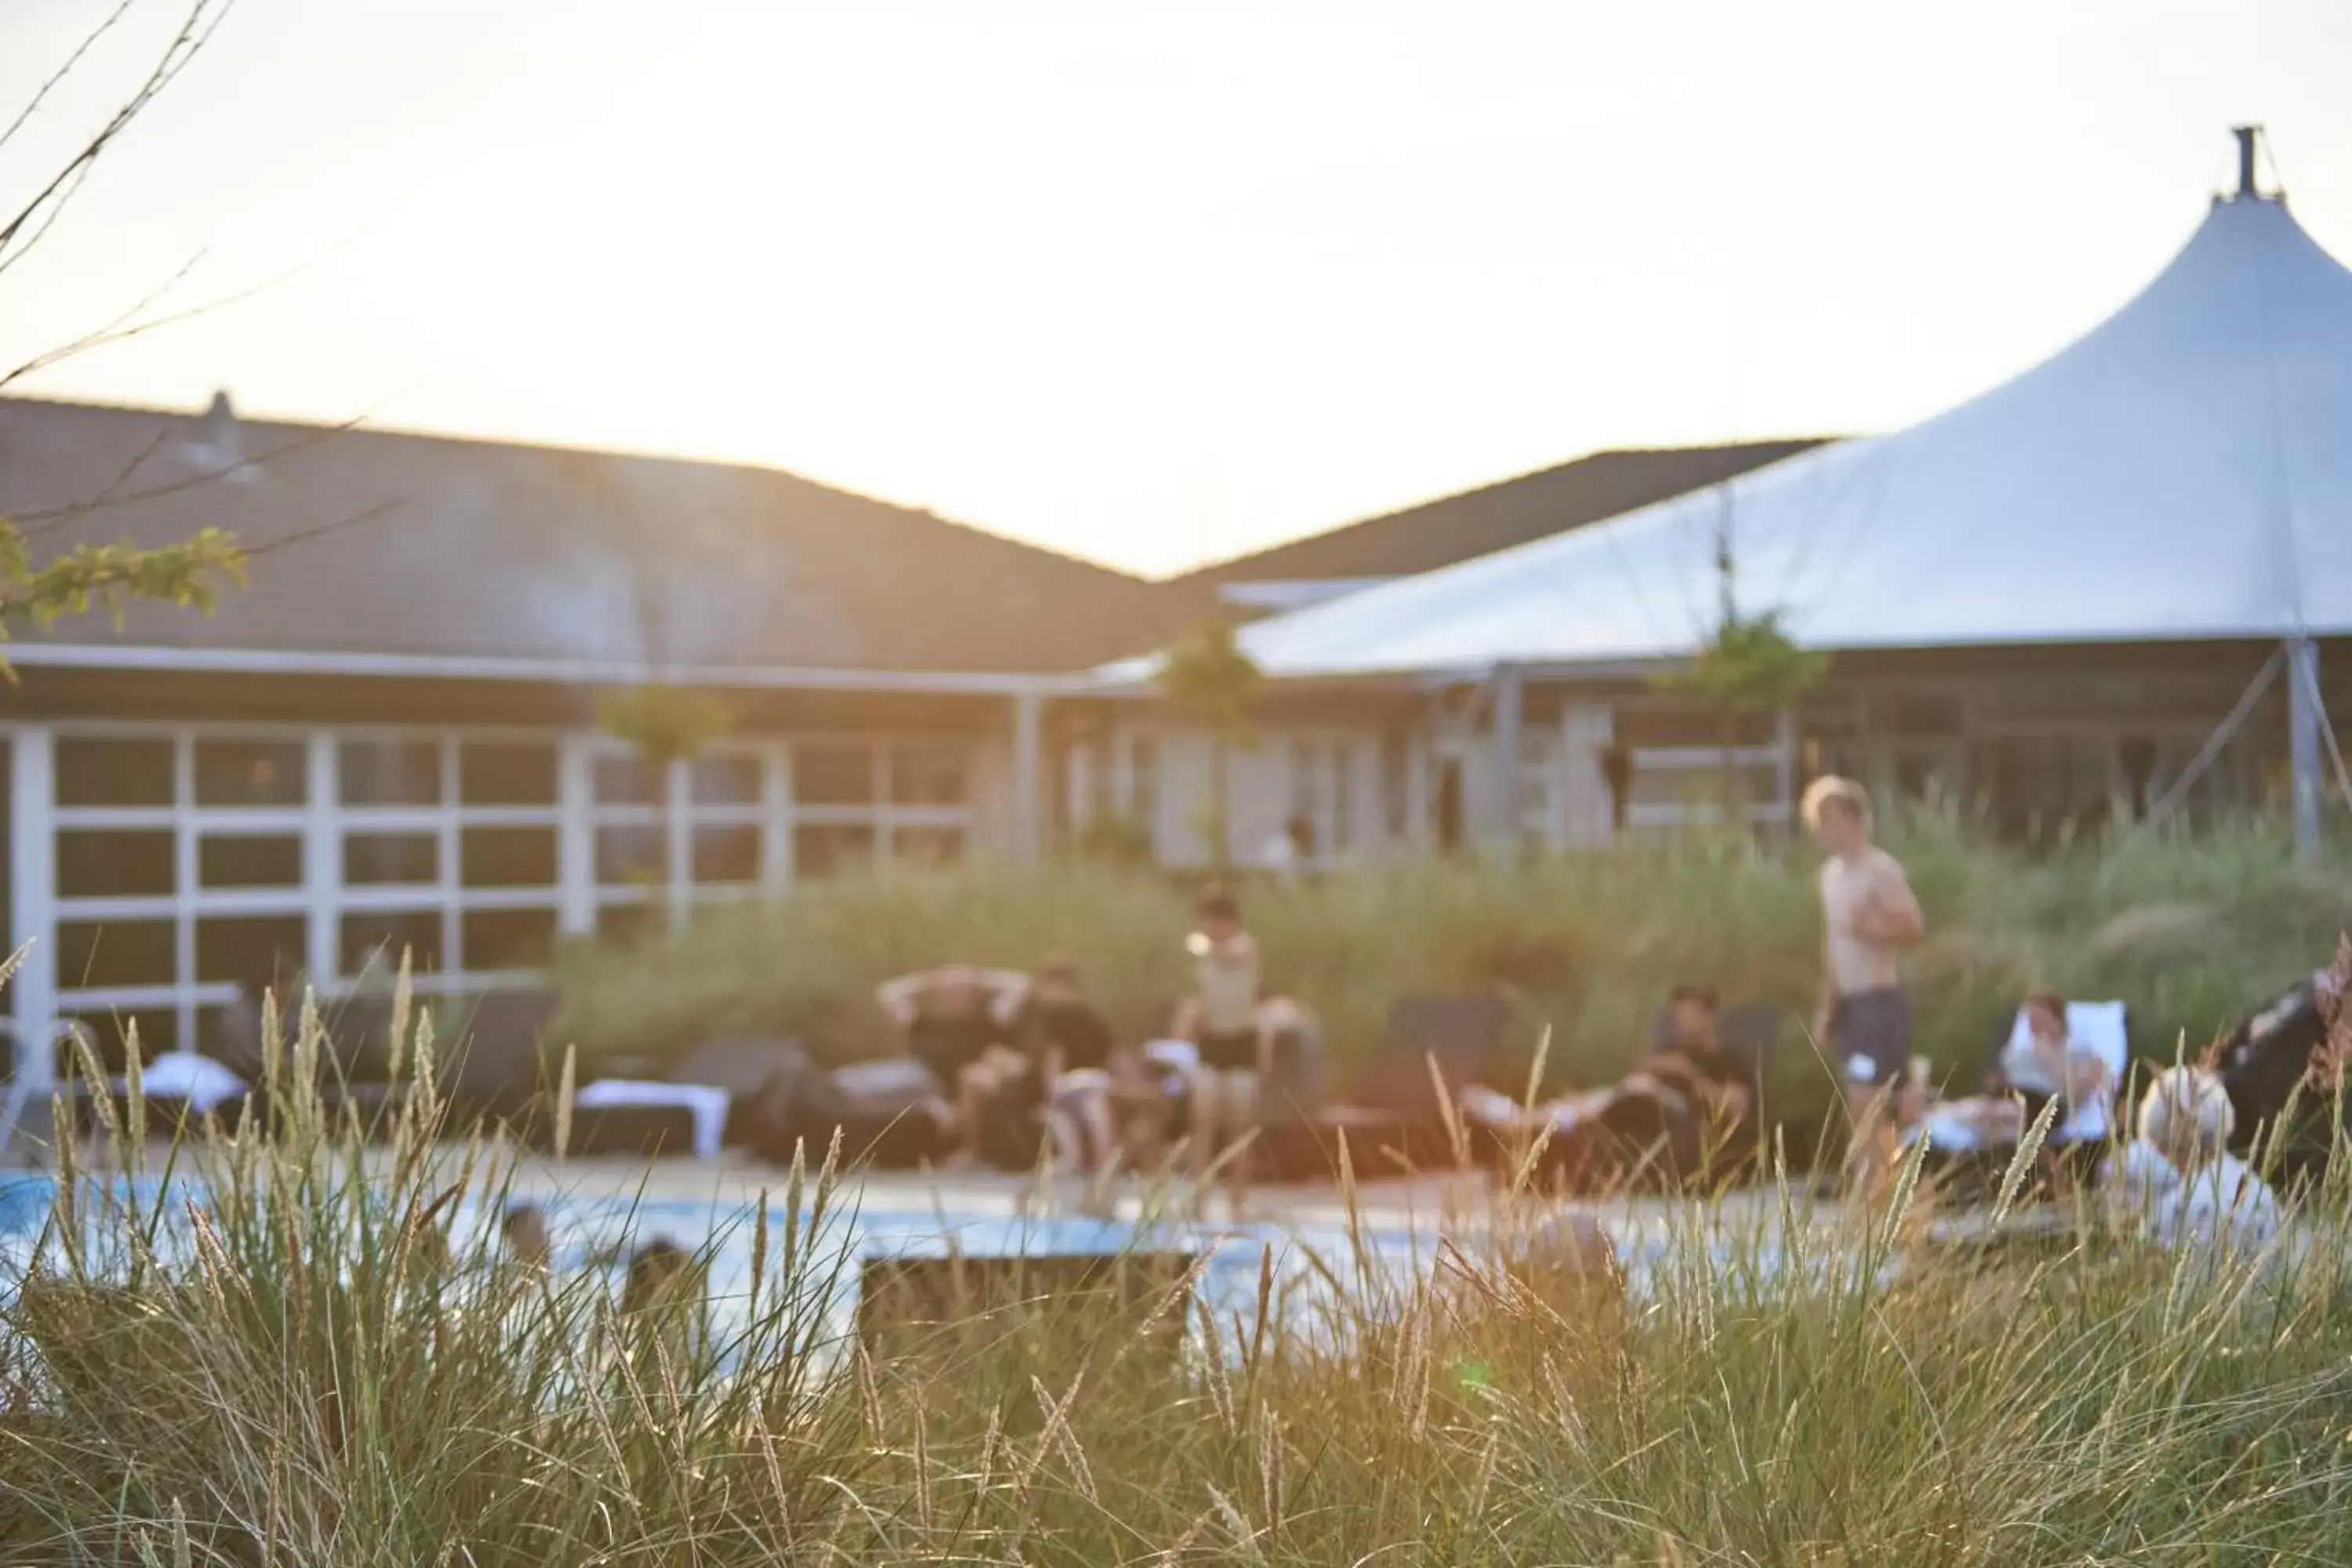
(1868, 915)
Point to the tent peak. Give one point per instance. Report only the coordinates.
(2250, 139)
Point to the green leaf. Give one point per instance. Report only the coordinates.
(664, 724)
(1749, 663)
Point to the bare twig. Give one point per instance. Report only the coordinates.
(113, 331)
(32, 105)
(40, 213)
(319, 530)
(36, 522)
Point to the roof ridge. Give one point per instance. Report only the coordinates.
(304, 428)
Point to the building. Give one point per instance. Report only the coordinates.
(390, 738)
(2111, 582)
(1369, 766)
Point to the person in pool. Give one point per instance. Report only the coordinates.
(523, 1229)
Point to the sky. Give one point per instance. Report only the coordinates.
(1147, 284)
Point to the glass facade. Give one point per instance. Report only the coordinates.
(187, 861)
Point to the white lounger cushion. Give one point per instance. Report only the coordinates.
(203, 1083)
(706, 1102)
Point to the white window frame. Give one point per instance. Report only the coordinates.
(323, 822)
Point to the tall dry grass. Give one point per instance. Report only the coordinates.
(2192, 931)
(291, 1360)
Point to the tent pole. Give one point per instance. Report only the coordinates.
(2302, 741)
(1509, 684)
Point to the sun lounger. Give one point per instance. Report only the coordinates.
(1955, 1127)
(1652, 1140)
(717, 1095)
(703, 1106)
(1394, 1112)
(1969, 1159)
(882, 1109)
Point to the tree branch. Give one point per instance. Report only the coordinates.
(40, 521)
(196, 28)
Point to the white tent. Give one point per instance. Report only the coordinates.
(2183, 472)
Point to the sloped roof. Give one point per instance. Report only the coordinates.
(2182, 472)
(369, 542)
(1493, 517)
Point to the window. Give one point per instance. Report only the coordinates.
(1343, 797)
(249, 949)
(633, 855)
(226, 860)
(727, 855)
(927, 846)
(96, 771)
(115, 863)
(251, 773)
(389, 773)
(624, 923)
(624, 778)
(1144, 780)
(928, 775)
(833, 774)
(508, 856)
(831, 850)
(505, 774)
(109, 1030)
(96, 954)
(725, 780)
(496, 940)
(370, 945)
(391, 859)
(1306, 775)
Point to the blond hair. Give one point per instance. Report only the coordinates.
(1830, 789)
(2187, 1107)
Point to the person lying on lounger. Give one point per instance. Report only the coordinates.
(1688, 1073)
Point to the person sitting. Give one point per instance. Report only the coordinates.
(2049, 1064)
(958, 1023)
(2046, 1064)
(2177, 1177)
(1221, 1019)
(1150, 1100)
(1052, 1085)
(1690, 1061)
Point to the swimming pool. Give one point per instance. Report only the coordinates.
(1314, 1265)
(597, 1232)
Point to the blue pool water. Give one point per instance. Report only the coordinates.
(1311, 1265)
(596, 1233)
